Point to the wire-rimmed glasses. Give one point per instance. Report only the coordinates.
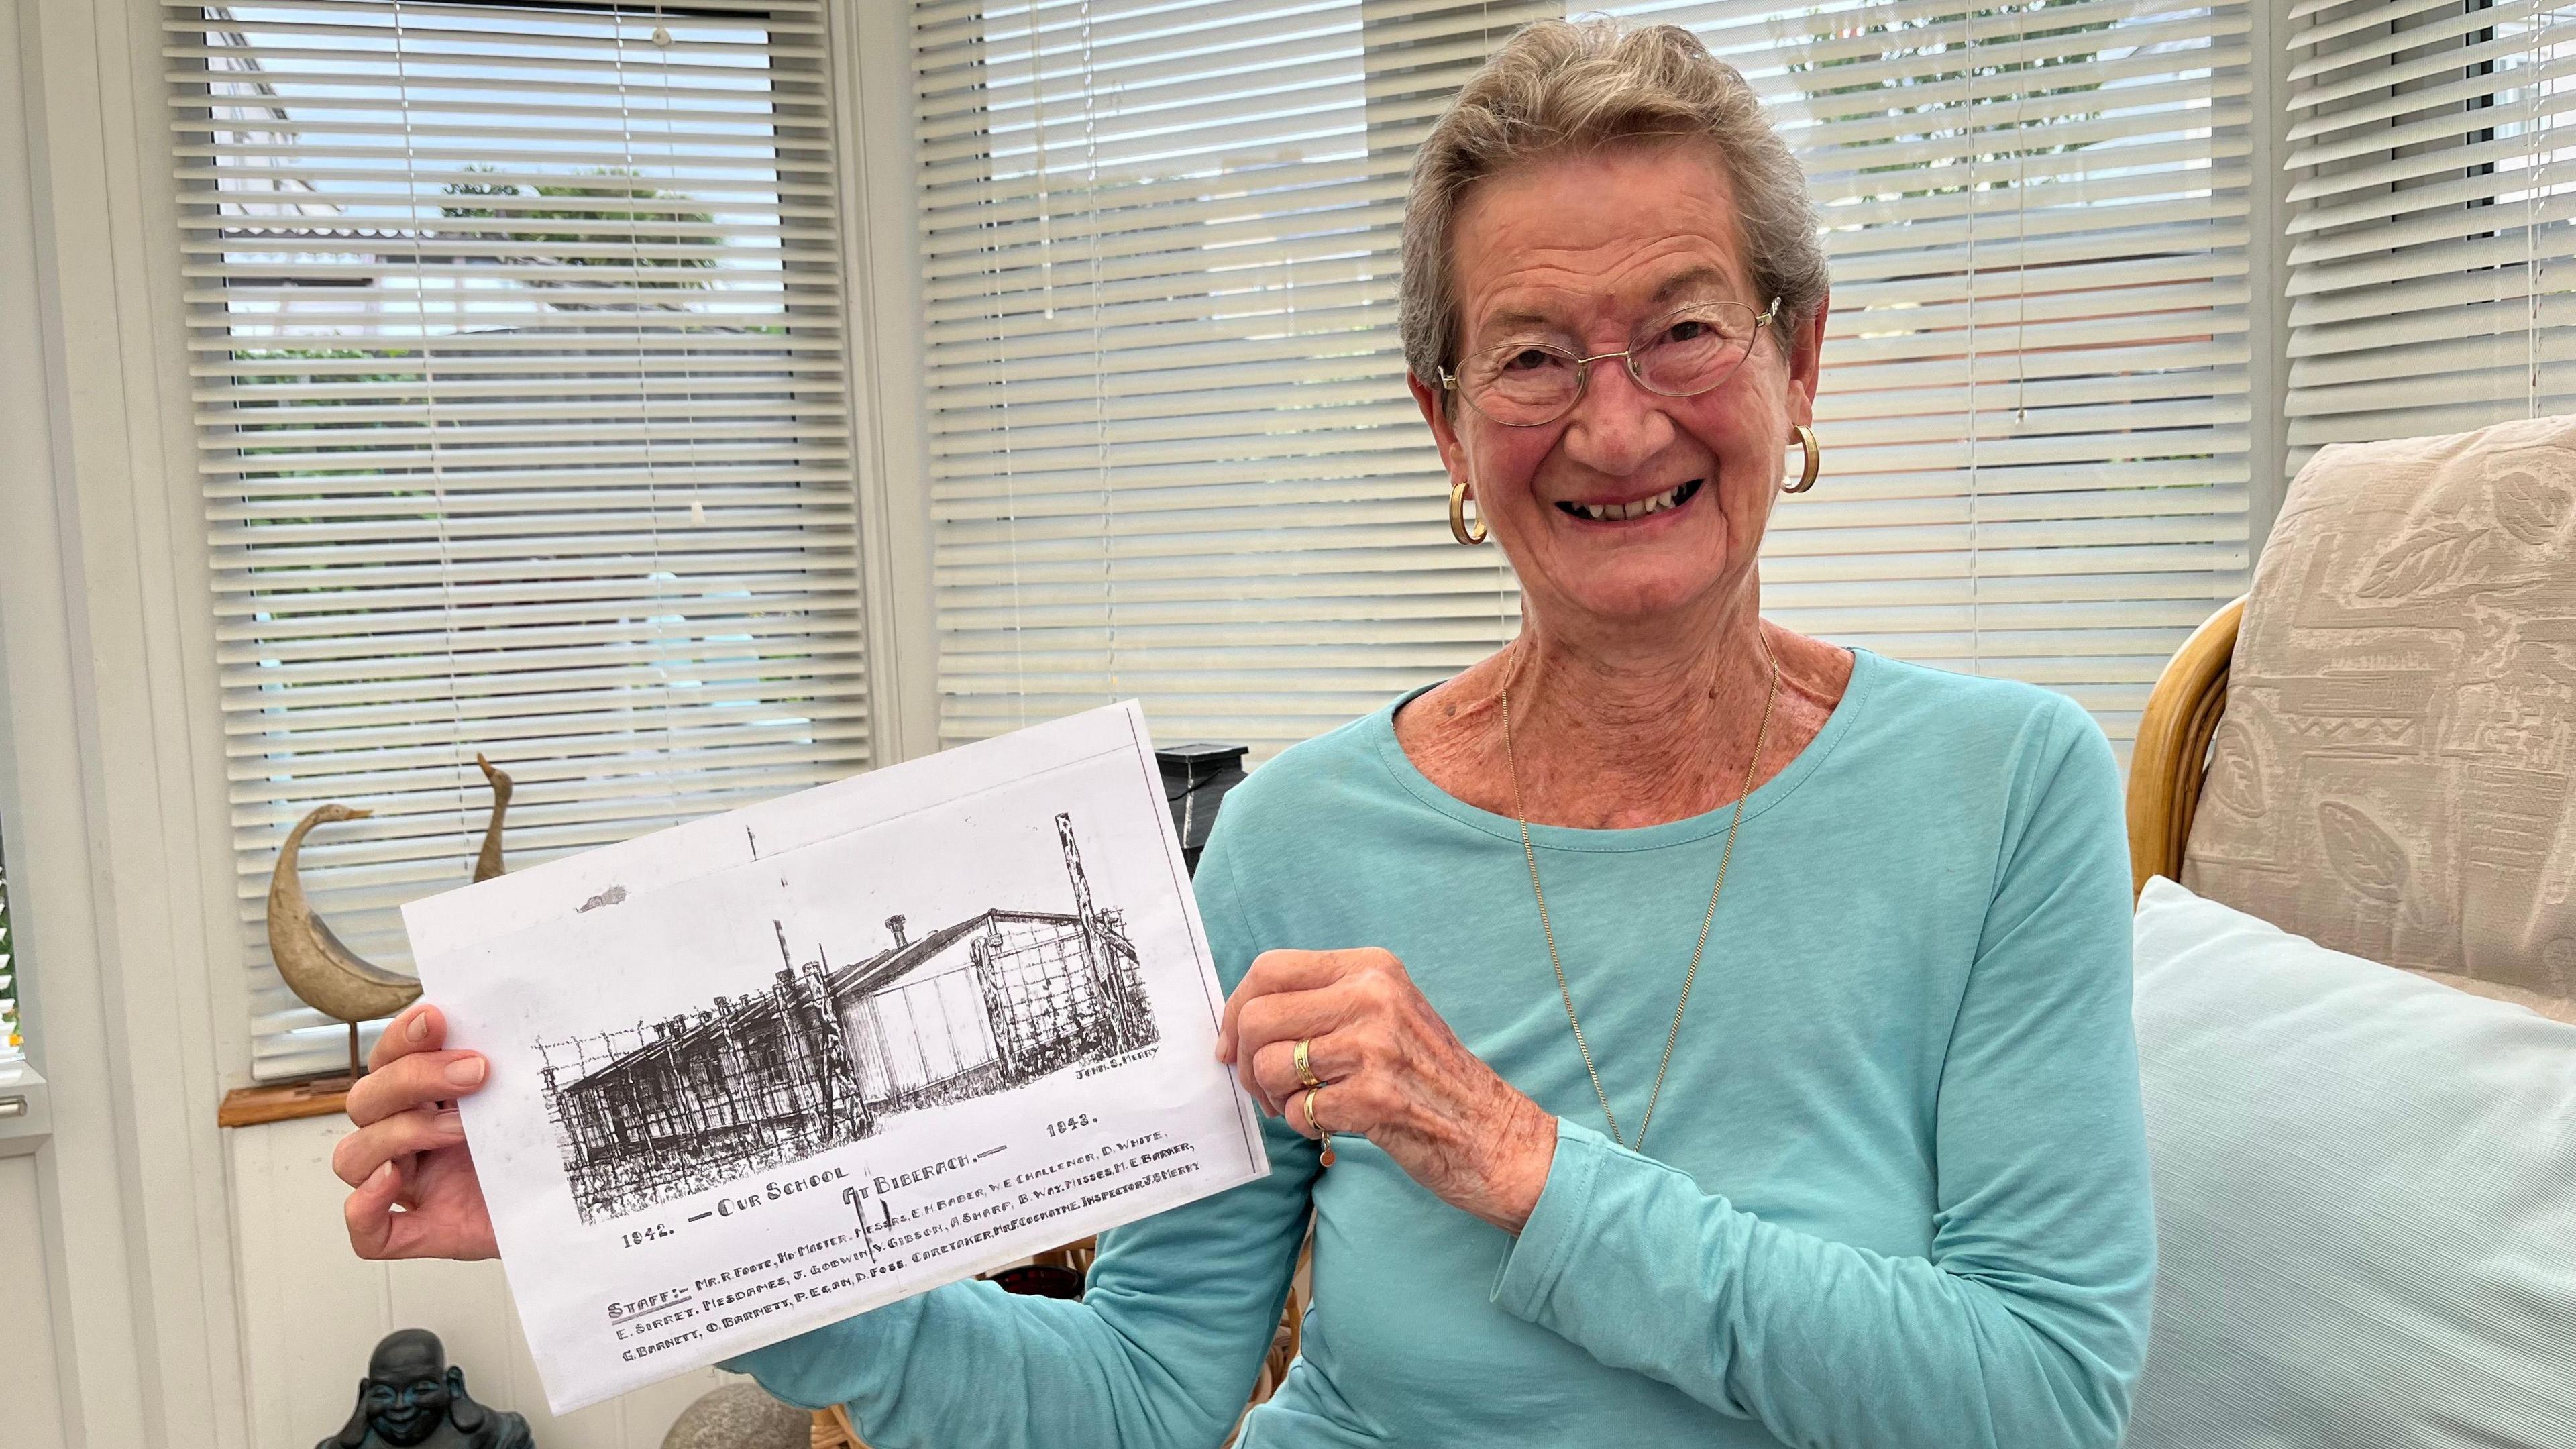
(1683, 354)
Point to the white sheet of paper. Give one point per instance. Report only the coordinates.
(726, 1106)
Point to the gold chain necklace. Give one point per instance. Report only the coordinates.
(1761, 734)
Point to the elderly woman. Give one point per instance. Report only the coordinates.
(1678, 1030)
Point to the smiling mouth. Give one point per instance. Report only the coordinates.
(1664, 502)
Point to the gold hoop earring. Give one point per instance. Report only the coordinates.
(1458, 518)
(1815, 456)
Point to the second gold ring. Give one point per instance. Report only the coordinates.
(1323, 1138)
(1305, 1069)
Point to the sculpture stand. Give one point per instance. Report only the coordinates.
(286, 1101)
(339, 1083)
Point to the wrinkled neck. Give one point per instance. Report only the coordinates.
(1618, 724)
(1615, 729)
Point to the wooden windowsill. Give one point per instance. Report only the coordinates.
(283, 1102)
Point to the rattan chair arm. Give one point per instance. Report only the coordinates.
(2172, 750)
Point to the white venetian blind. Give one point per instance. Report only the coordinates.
(517, 355)
(1174, 457)
(2429, 223)
(1171, 451)
(2034, 399)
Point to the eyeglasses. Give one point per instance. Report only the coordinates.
(1530, 384)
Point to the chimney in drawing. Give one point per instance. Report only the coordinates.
(894, 928)
(1073, 868)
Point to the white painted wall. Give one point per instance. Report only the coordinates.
(111, 768)
(31, 1408)
(311, 1311)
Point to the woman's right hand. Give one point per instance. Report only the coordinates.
(416, 1194)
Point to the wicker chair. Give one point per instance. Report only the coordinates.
(2392, 779)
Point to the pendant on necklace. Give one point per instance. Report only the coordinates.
(1328, 1149)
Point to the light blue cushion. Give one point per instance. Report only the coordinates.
(2365, 1197)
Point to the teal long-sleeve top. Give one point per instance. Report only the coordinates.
(1895, 1194)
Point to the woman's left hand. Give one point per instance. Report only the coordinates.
(1393, 1072)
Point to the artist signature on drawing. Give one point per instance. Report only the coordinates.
(1113, 1063)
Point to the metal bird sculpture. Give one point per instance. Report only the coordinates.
(317, 965)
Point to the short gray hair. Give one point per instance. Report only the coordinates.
(1572, 85)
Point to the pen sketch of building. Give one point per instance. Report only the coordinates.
(825, 1052)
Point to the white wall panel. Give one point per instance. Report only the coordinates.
(31, 1407)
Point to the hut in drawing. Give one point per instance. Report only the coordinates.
(991, 1001)
(820, 1057)
(703, 1098)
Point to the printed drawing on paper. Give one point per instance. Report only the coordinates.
(825, 1052)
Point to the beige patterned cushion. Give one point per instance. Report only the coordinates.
(2395, 773)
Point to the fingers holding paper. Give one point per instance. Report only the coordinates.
(1391, 1071)
(415, 1193)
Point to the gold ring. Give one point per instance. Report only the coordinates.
(1323, 1138)
(1305, 1071)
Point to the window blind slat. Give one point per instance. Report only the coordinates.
(2439, 113)
(2364, 38)
(399, 652)
(2379, 81)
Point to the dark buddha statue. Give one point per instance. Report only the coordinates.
(410, 1397)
